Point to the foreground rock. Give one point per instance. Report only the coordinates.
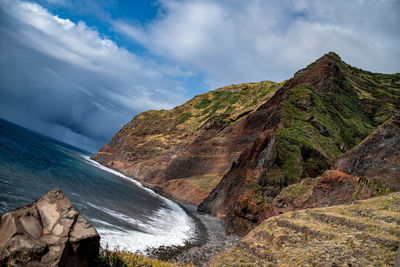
(364, 233)
(47, 232)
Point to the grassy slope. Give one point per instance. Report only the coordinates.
(364, 233)
(184, 120)
(343, 116)
(128, 259)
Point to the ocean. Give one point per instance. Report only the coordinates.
(126, 215)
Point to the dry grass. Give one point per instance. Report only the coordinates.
(127, 259)
(364, 233)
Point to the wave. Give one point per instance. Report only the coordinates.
(165, 227)
(116, 173)
(120, 216)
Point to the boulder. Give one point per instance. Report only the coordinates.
(47, 232)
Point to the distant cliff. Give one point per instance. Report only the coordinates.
(245, 143)
(186, 151)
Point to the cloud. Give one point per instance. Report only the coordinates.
(63, 79)
(67, 80)
(237, 41)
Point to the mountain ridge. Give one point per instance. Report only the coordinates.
(311, 121)
(232, 150)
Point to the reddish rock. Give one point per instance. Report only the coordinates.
(184, 190)
(332, 188)
(48, 232)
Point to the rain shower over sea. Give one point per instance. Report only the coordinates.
(126, 215)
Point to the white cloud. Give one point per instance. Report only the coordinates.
(237, 41)
(64, 74)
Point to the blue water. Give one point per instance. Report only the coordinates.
(125, 214)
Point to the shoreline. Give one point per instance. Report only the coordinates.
(210, 237)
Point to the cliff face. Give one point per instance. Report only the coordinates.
(364, 233)
(186, 151)
(323, 111)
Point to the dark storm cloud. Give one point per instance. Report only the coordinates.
(62, 79)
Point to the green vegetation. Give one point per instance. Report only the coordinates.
(230, 101)
(118, 258)
(320, 126)
(184, 117)
(203, 103)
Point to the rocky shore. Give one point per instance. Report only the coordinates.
(214, 240)
(209, 241)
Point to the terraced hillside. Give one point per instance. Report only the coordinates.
(186, 151)
(363, 233)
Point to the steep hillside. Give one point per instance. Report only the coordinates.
(332, 188)
(364, 233)
(378, 157)
(247, 142)
(325, 110)
(186, 151)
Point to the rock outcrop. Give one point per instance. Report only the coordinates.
(47, 232)
(378, 157)
(363, 233)
(332, 188)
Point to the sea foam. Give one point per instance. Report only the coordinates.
(166, 227)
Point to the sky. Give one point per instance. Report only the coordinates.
(78, 70)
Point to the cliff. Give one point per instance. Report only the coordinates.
(364, 233)
(186, 151)
(232, 151)
(325, 110)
